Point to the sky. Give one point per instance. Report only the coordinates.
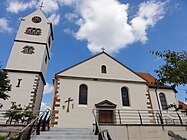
(128, 30)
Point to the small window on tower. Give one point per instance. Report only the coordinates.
(19, 82)
(46, 59)
(49, 41)
(28, 50)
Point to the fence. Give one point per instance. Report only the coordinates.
(23, 130)
(142, 117)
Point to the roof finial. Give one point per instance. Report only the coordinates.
(102, 49)
(41, 5)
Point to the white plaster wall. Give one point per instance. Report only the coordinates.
(145, 132)
(92, 68)
(81, 115)
(20, 95)
(28, 62)
(169, 94)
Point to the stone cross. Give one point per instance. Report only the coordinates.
(68, 101)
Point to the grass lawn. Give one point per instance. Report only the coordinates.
(2, 137)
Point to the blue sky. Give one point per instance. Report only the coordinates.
(127, 29)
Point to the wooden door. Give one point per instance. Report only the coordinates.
(106, 116)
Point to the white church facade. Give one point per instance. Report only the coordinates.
(104, 83)
(97, 91)
(28, 61)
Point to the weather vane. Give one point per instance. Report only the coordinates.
(102, 49)
(41, 5)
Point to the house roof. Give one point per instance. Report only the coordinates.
(151, 81)
(184, 106)
(148, 77)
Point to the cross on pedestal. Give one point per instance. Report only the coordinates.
(102, 49)
(41, 5)
(68, 101)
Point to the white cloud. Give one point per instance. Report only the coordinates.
(149, 14)
(44, 106)
(66, 2)
(54, 18)
(48, 88)
(4, 25)
(104, 23)
(71, 17)
(17, 6)
(69, 31)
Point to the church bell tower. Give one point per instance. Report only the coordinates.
(28, 60)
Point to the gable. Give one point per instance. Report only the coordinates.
(91, 68)
(39, 13)
(105, 104)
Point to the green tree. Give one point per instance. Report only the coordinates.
(176, 107)
(174, 71)
(18, 114)
(4, 85)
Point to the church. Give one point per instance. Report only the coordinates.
(97, 91)
(102, 82)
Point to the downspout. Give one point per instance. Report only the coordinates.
(160, 113)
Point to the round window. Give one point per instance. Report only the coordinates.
(36, 19)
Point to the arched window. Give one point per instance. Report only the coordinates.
(83, 94)
(103, 69)
(125, 96)
(163, 101)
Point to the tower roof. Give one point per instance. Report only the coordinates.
(39, 12)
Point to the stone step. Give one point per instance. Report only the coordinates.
(62, 137)
(67, 134)
(70, 129)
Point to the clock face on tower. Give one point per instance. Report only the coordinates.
(36, 19)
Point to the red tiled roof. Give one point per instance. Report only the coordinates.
(184, 106)
(151, 80)
(146, 76)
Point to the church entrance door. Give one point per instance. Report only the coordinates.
(106, 116)
(105, 111)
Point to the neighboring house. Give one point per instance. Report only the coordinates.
(184, 106)
(101, 82)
